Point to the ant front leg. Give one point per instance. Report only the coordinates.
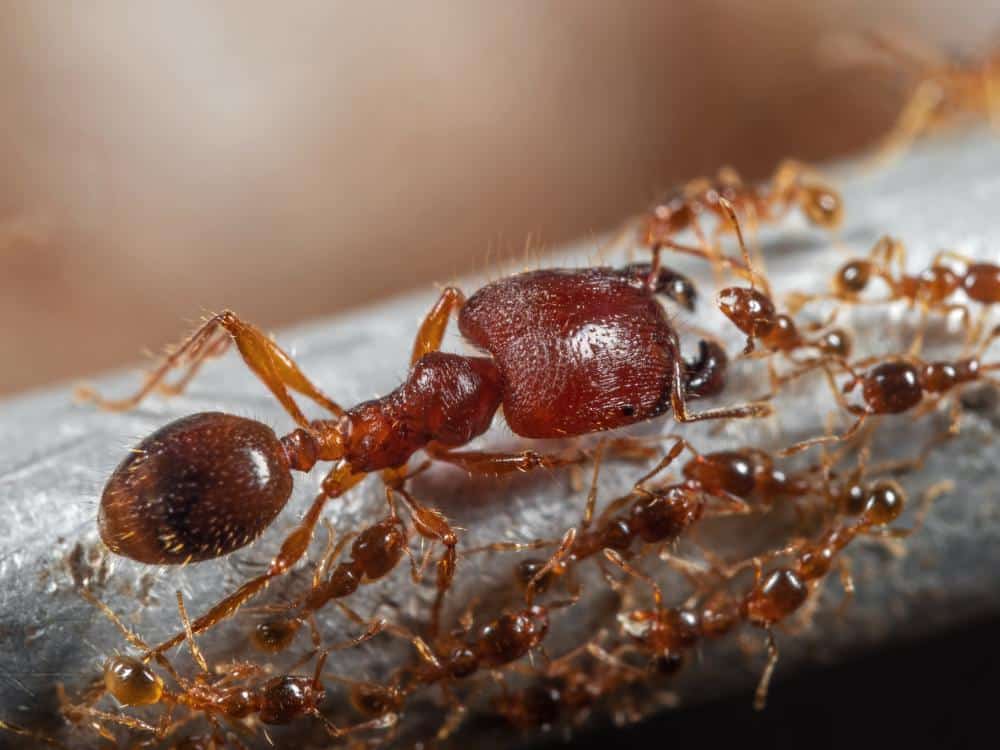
(272, 365)
(431, 332)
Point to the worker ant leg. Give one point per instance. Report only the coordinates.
(499, 464)
(340, 479)
(431, 331)
(760, 695)
(275, 368)
(678, 395)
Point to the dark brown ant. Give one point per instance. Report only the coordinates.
(172, 499)
(899, 384)
(793, 184)
(775, 596)
(278, 700)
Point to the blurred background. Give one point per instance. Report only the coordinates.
(162, 160)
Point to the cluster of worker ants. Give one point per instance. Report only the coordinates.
(208, 484)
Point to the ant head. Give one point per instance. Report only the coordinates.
(835, 342)
(884, 503)
(275, 635)
(666, 513)
(852, 278)
(199, 488)
(822, 205)
(131, 682)
(750, 311)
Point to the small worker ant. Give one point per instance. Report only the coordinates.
(898, 384)
(793, 184)
(775, 596)
(278, 700)
(929, 290)
(552, 336)
(666, 634)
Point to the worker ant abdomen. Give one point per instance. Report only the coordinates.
(198, 488)
(579, 351)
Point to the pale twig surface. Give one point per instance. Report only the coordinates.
(55, 456)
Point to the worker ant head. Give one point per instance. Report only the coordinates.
(822, 205)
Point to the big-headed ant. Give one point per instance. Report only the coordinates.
(209, 483)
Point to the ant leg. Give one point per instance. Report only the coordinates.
(24, 732)
(915, 119)
(618, 560)
(431, 524)
(847, 582)
(588, 511)
(760, 695)
(498, 464)
(265, 359)
(843, 437)
(677, 399)
(340, 479)
(431, 331)
(680, 444)
(553, 563)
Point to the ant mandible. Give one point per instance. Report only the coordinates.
(210, 483)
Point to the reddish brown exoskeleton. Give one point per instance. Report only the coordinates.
(570, 352)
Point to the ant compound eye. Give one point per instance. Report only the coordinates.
(195, 489)
(131, 682)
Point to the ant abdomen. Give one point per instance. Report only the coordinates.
(198, 488)
(892, 388)
(131, 682)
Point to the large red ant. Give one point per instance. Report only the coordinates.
(553, 336)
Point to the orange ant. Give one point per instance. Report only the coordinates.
(172, 499)
(929, 290)
(793, 184)
(277, 701)
(946, 89)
